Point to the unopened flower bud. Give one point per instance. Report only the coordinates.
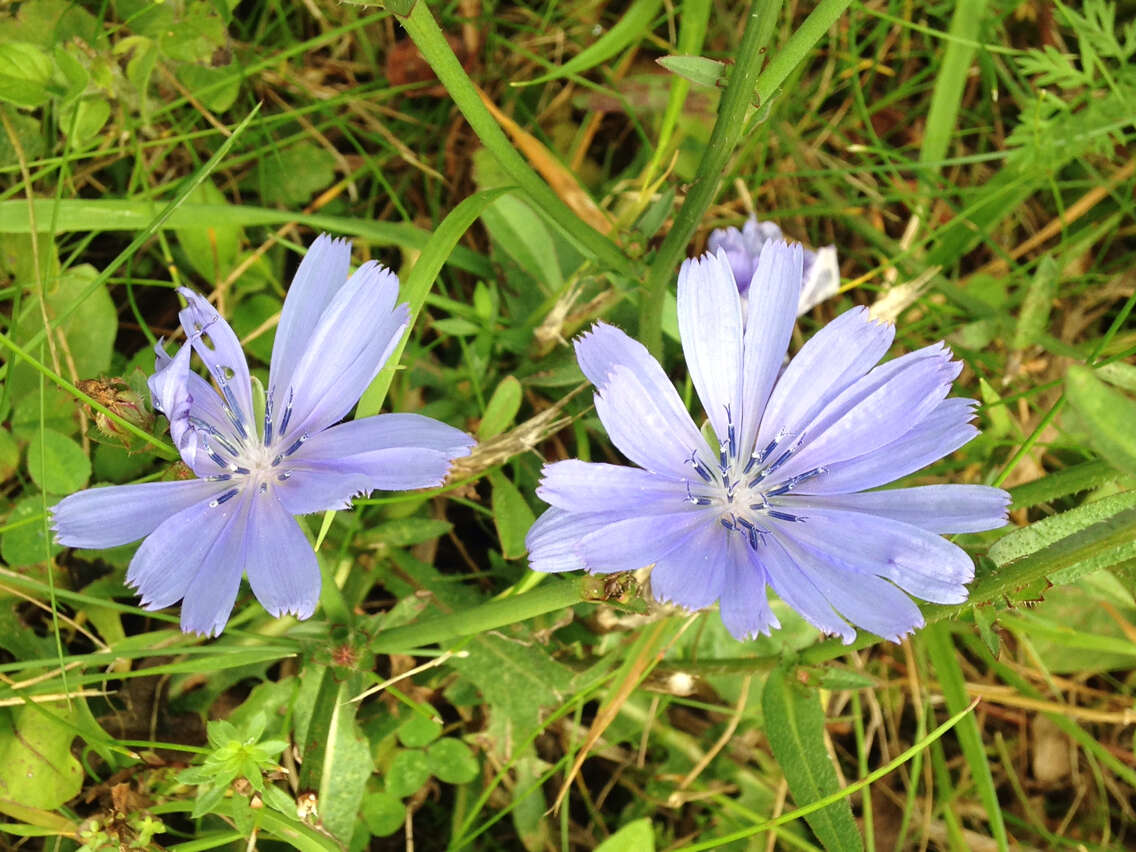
(128, 403)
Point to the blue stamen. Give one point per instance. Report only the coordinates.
(224, 498)
(299, 442)
(268, 419)
(699, 467)
(785, 516)
(793, 481)
(219, 477)
(287, 413)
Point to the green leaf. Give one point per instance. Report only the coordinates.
(452, 761)
(1108, 414)
(511, 515)
(25, 71)
(794, 724)
(25, 540)
(89, 327)
(418, 731)
(212, 246)
(1033, 317)
(9, 455)
(697, 69)
(56, 463)
(290, 177)
(631, 28)
(501, 409)
(522, 234)
(383, 812)
(83, 119)
(438, 250)
(216, 87)
(1049, 531)
(407, 773)
(337, 757)
(636, 836)
(404, 532)
(37, 769)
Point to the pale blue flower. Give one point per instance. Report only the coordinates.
(820, 273)
(253, 473)
(779, 497)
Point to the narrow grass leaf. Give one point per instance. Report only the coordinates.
(941, 651)
(635, 23)
(794, 724)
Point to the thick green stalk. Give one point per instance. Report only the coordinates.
(423, 29)
(723, 138)
(549, 597)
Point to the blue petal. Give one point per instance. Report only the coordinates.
(393, 452)
(109, 517)
(358, 331)
(868, 602)
(710, 326)
(633, 386)
(918, 561)
(835, 357)
(552, 539)
(693, 574)
(645, 426)
(798, 590)
(281, 566)
(633, 543)
(768, 328)
(935, 508)
(881, 416)
(577, 486)
(169, 392)
(941, 432)
(212, 592)
(218, 346)
(321, 274)
(177, 551)
(744, 605)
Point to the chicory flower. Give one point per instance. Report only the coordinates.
(257, 465)
(820, 274)
(779, 497)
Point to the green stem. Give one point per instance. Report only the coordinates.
(423, 29)
(491, 615)
(723, 138)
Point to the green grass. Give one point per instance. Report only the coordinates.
(150, 145)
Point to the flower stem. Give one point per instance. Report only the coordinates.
(723, 138)
(549, 597)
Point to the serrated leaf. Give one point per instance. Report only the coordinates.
(794, 724)
(1108, 414)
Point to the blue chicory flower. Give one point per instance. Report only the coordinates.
(253, 473)
(779, 497)
(820, 273)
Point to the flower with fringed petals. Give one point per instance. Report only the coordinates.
(779, 497)
(259, 463)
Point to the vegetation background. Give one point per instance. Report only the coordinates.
(529, 168)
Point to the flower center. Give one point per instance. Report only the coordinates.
(746, 487)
